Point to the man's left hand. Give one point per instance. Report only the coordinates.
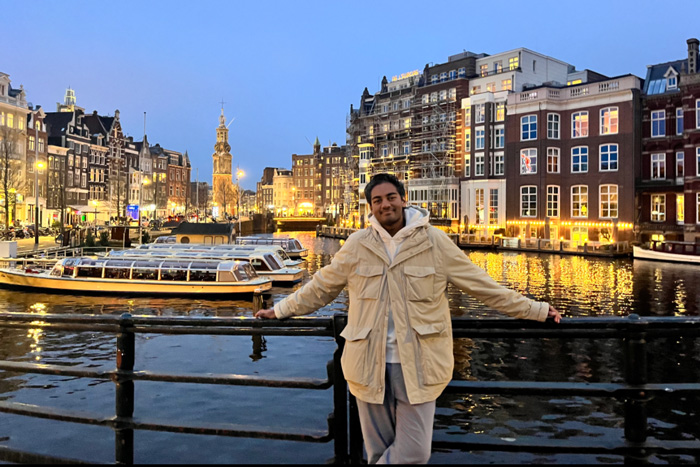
(554, 314)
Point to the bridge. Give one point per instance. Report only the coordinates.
(301, 223)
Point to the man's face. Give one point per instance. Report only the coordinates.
(387, 205)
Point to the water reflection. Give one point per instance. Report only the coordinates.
(578, 286)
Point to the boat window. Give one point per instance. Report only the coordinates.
(203, 275)
(227, 276)
(89, 271)
(272, 261)
(144, 274)
(173, 274)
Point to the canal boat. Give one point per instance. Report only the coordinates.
(679, 252)
(276, 249)
(264, 263)
(151, 276)
(291, 245)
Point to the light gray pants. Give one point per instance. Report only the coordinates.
(397, 432)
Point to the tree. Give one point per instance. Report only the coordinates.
(225, 195)
(11, 181)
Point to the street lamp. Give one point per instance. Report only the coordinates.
(39, 165)
(239, 174)
(142, 182)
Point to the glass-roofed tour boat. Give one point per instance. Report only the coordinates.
(152, 276)
(277, 249)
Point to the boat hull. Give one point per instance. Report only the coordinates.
(46, 283)
(643, 253)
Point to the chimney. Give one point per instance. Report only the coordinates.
(693, 55)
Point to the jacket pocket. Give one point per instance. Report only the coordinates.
(369, 282)
(420, 281)
(435, 354)
(356, 359)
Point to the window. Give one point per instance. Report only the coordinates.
(442, 95)
(406, 147)
(493, 206)
(608, 157)
(528, 161)
(479, 205)
(499, 137)
(498, 66)
(433, 79)
(609, 121)
(697, 208)
(553, 160)
(680, 208)
(491, 87)
(697, 161)
(484, 70)
(476, 89)
(452, 94)
(608, 201)
(553, 126)
(425, 98)
(479, 163)
(513, 63)
(528, 127)
(679, 121)
(479, 138)
(499, 164)
(443, 76)
(452, 74)
(579, 201)
(552, 201)
(658, 123)
(672, 82)
(385, 150)
(468, 140)
(30, 147)
(11, 120)
(462, 72)
(579, 159)
(500, 111)
(579, 124)
(697, 113)
(658, 166)
(433, 97)
(680, 164)
(479, 113)
(658, 208)
(507, 85)
(467, 165)
(528, 201)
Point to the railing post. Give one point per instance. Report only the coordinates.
(340, 394)
(124, 437)
(636, 374)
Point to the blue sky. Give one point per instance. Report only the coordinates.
(288, 71)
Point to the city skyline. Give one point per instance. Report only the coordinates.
(288, 73)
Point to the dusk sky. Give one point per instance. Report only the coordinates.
(289, 71)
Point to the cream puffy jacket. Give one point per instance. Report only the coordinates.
(415, 284)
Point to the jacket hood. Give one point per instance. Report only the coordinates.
(414, 216)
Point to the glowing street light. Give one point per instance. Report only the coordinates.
(142, 183)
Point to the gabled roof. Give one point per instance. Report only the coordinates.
(57, 122)
(94, 124)
(188, 228)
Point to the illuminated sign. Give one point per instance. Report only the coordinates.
(405, 75)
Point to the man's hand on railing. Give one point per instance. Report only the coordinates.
(553, 313)
(268, 313)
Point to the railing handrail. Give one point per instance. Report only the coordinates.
(634, 392)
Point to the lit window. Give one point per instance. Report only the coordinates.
(479, 113)
(528, 161)
(479, 205)
(500, 111)
(484, 69)
(579, 124)
(579, 201)
(491, 87)
(658, 208)
(507, 85)
(658, 123)
(476, 89)
(513, 63)
(579, 159)
(608, 157)
(528, 201)
(552, 201)
(553, 160)
(493, 206)
(680, 208)
(608, 121)
(658, 166)
(608, 201)
(528, 127)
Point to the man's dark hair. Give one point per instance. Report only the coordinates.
(384, 178)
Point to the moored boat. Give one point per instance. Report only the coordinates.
(151, 276)
(266, 264)
(291, 245)
(679, 252)
(276, 249)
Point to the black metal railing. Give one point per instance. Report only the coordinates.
(635, 393)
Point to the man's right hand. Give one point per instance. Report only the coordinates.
(268, 313)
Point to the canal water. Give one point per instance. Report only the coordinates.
(577, 286)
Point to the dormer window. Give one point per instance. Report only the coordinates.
(671, 76)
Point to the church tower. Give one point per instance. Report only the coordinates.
(222, 179)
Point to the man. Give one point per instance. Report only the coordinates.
(398, 341)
